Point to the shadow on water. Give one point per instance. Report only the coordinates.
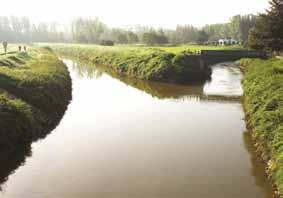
(104, 166)
(12, 160)
(258, 167)
(19, 128)
(160, 90)
(14, 156)
(196, 91)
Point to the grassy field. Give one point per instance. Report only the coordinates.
(197, 48)
(35, 89)
(263, 102)
(143, 48)
(167, 64)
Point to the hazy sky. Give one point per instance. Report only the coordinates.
(165, 13)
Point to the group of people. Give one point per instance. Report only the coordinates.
(5, 47)
(20, 48)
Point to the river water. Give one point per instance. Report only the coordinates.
(125, 138)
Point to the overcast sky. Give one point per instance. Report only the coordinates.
(157, 13)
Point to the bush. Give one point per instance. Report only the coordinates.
(143, 63)
(107, 43)
(263, 102)
(35, 90)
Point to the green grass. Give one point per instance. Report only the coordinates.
(146, 63)
(35, 88)
(197, 48)
(148, 49)
(263, 101)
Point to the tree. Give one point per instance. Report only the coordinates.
(148, 38)
(122, 38)
(241, 26)
(87, 30)
(268, 31)
(132, 37)
(184, 34)
(152, 37)
(202, 37)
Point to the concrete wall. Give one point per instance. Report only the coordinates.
(236, 53)
(211, 57)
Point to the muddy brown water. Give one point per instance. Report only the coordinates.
(124, 138)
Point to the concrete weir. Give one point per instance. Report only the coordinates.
(211, 57)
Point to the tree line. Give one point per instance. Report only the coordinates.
(92, 30)
(263, 31)
(21, 29)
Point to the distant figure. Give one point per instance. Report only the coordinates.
(20, 48)
(5, 46)
(25, 48)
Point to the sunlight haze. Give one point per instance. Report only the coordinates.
(128, 12)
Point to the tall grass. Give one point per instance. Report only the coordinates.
(147, 63)
(35, 89)
(263, 101)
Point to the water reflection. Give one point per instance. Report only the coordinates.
(226, 80)
(258, 167)
(12, 160)
(214, 90)
(14, 156)
(18, 129)
(119, 141)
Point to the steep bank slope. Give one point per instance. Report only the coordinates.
(263, 101)
(142, 63)
(35, 89)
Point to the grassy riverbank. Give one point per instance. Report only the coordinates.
(35, 89)
(147, 63)
(263, 101)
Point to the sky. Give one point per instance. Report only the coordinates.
(122, 13)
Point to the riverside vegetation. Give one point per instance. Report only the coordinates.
(158, 90)
(166, 64)
(35, 89)
(263, 102)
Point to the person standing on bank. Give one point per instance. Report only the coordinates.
(5, 45)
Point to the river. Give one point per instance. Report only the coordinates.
(126, 138)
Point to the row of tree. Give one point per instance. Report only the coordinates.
(20, 29)
(92, 30)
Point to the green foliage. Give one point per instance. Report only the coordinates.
(195, 48)
(87, 30)
(241, 26)
(153, 37)
(93, 30)
(202, 37)
(146, 63)
(238, 28)
(268, 32)
(132, 37)
(263, 101)
(35, 89)
(107, 43)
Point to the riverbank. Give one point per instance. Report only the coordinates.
(159, 90)
(144, 63)
(263, 102)
(35, 89)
